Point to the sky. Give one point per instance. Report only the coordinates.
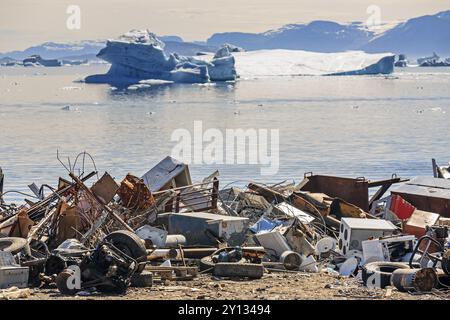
(24, 23)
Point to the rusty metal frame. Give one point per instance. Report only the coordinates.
(205, 198)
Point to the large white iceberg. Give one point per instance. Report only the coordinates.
(139, 55)
(271, 63)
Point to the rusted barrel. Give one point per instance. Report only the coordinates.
(419, 280)
(291, 260)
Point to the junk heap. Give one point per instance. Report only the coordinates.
(106, 236)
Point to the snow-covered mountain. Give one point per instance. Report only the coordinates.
(53, 50)
(88, 49)
(416, 37)
(319, 36)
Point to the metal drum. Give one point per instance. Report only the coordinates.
(418, 280)
(291, 260)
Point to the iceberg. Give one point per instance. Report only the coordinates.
(36, 60)
(402, 61)
(139, 55)
(434, 61)
(383, 66)
(273, 63)
(223, 65)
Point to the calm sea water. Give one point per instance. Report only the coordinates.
(370, 126)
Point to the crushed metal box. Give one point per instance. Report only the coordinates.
(427, 194)
(202, 228)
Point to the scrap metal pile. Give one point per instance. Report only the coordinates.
(106, 236)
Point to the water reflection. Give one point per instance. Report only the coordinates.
(351, 126)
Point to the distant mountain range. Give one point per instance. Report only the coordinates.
(88, 49)
(53, 50)
(318, 36)
(416, 37)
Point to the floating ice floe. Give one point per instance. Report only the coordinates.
(155, 82)
(138, 86)
(69, 108)
(70, 88)
(208, 84)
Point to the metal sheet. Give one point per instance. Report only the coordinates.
(430, 182)
(161, 175)
(105, 188)
(291, 211)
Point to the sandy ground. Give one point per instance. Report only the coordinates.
(275, 286)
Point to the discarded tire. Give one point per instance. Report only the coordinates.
(206, 263)
(142, 280)
(13, 244)
(239, 270)
(130, 244)
(379, 273)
